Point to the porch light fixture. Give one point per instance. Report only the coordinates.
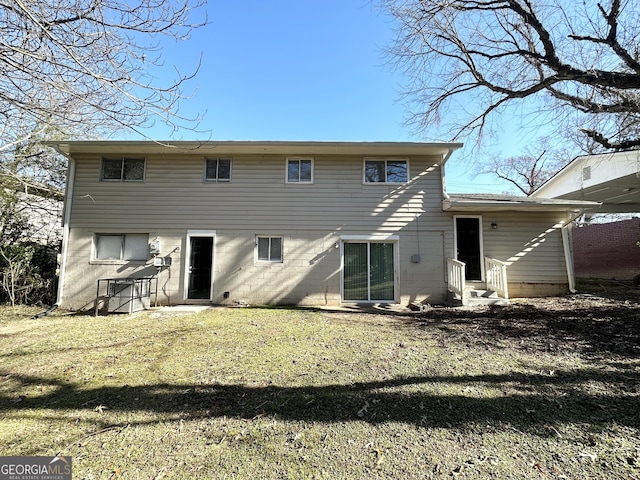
(494, 226)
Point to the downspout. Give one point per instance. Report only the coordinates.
(568, 250)
(446, 203)
(445, 195)
(66, 217)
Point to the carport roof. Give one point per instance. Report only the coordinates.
(478, 202)
(610, 178)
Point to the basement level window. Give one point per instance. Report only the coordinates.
(122, 169)
(269, 249)
(124, 247)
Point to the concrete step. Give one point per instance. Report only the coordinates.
(485, 301)
(480, 294)
(476, 297)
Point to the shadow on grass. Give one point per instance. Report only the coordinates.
(526, 402)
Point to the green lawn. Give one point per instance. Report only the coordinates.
(545, 389)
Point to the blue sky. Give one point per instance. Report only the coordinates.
(300, 70)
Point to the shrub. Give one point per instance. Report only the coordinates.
(28, 273)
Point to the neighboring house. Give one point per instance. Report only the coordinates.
(603, 250)
(42, 215)
(305, 223)
(612, 179)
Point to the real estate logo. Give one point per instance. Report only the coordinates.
(35, 468)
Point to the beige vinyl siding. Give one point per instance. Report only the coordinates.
(531, 245)
(174, 199)
(174, 195)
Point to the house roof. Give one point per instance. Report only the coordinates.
(210, 147)
(610, 178)
(474, 202)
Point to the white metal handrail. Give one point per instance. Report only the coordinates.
(456, 276)
(496, 272)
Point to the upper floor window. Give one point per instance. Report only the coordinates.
(217, 169)
(122, 169)
(129, 247)
(299, 170)
(386, 171)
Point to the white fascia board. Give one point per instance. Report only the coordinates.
(255, 147)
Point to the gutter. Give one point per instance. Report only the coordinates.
(66, 217)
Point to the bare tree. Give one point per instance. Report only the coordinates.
(88, 64)
(579, 62)
(77, 69)
(529, 170)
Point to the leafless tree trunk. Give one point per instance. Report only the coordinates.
(472, 59)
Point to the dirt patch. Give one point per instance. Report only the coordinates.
(583, 323)
(602, 319)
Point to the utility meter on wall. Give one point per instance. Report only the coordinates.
(154, 247)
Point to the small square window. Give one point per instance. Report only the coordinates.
(299, 170)
(386, 171)
(126, 247)
(217, 170)
(124, 169)
(269, 249)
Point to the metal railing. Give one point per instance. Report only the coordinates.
(125, 295)
(496, 272)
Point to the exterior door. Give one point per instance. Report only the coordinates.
(200, 268)
(468, 246)
(369, 272)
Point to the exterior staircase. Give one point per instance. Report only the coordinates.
(493, 291)
(476, 296)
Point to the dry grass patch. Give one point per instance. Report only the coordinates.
(533, 390)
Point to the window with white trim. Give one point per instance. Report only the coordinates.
(124, 246)
(299, 170)
(217, 169)
(122, 169)
(269, 249)
(386, 171)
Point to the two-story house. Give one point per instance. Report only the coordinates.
(305, 223)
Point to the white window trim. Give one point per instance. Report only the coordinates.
(217, 180)
(94, 249)
(268, 262)
(480, 239)
(395, 239)
(286, 171)
(385, 159)
(186, 259)
(121, 179)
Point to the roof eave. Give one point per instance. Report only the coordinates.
(443, 150)
(466, 206)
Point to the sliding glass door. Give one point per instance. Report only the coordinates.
(369, 271)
